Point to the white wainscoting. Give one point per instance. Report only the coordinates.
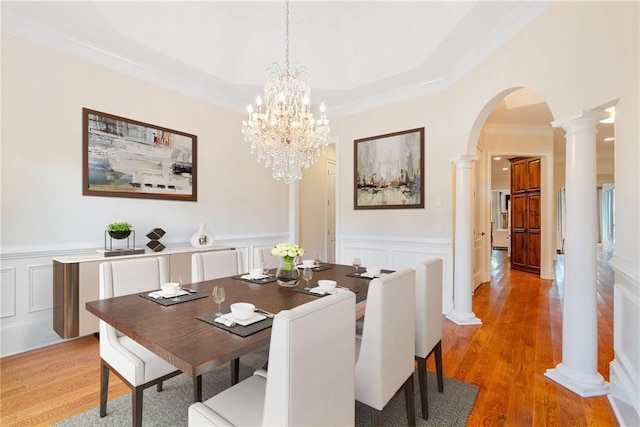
(26, 289)
(395, 253)
(624, 373)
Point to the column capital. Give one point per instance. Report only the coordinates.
(465, 161)
(582, 117)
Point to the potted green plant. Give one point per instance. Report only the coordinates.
(119, 230)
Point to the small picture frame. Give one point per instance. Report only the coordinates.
(389, 171)
(127, 158)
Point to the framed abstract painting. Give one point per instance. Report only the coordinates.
(127, 158)
(389, 171)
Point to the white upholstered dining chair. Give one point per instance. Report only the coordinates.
(385, 350)
(215, 264)
(311, 376)
(428, 324)
(135, 365)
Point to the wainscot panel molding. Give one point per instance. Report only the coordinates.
(624, 381)
(400, 252)
(26, 286)
(7, 292)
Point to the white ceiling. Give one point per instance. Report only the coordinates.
(359, 54)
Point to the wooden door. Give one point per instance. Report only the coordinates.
(525, 214)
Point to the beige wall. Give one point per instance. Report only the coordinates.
(312, 194)
(554, 57)
(43, 93)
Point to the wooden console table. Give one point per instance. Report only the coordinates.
(76, 281)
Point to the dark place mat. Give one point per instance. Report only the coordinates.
(170, 301)
(243, 331)
(269, 279)
(359, 275)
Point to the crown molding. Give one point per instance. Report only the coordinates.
(173, 75)
(190, 85)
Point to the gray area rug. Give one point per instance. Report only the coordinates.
(169, 407)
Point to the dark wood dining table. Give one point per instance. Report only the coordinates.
(174, 333)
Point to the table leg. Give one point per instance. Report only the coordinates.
(197, 388)
(235, 371)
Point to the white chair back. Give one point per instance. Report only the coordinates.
(131, 276)
(428, 306)
(263, 255)
(311, 376)
(386, 353)
(215, 264)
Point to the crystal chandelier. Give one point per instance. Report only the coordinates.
(282, 129)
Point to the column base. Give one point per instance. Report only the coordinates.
(461, 318)
(582, 384)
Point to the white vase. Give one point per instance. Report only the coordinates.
(202, 239)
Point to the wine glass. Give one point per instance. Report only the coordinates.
(265, 271)
(218, 296)
(307, 274)
(178, 289)
(318, 260)
(356, 263)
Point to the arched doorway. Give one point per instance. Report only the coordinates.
(515, 123)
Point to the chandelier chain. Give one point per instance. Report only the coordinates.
(287, 37)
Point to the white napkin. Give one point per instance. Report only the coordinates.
(250, 277)
(318, 290)
(224, 321)
(159, 294)
(372, 276)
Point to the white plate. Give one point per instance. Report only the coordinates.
(253, 319)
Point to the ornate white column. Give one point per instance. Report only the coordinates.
(463, 247)
(578, 370)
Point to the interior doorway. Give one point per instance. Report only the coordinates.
(518, 124)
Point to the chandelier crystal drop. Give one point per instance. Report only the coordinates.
(282, 129)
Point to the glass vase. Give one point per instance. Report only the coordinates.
(287, 274)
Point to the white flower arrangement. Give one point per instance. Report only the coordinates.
(287, 250)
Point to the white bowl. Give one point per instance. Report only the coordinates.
(308, 263)
(170, 288)
(327, 285)
(242, 310)
(374, 271)
(256, 273)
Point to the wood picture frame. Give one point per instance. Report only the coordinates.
(389, 171)
(127, 158)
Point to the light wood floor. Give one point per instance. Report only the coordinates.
(520, 338)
